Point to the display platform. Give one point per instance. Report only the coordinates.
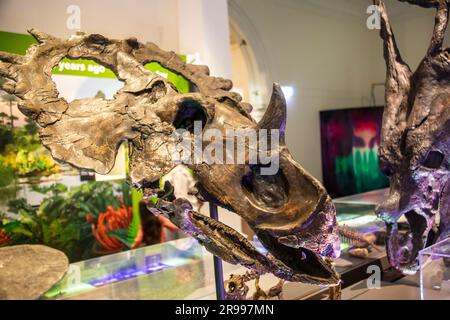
(435, 271)
(407, 288)
(371, 198)
(183, 269)
(172, 270)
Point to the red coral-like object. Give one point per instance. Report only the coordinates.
(113, 219)
(4, 238)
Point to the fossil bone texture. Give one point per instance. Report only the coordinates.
(290, 211)
(415, 142)
(28, 271)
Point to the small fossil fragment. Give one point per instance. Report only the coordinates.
(359, 252)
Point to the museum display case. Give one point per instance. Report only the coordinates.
(435, 271)
(182, 269)
(113, 146)
(171, 270)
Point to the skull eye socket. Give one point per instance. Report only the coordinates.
(189, 112)
(434, 159)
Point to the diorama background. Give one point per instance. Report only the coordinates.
(349, 145)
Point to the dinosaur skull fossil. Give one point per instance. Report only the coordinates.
(290, 211)
(415, 146)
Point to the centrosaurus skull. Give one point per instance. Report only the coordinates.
(288, 209)
(415, 146)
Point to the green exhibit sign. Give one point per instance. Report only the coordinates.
(18, 43)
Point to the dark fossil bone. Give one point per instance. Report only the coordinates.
(290, 211)
(415, 142)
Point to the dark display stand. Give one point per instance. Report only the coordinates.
(218, 268)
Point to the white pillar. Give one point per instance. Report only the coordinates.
(204, 29)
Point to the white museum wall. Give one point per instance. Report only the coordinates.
(413, 27)
(325, 56)
(185, 26)
(149, 20)
(203, 31)
(324, 50)
(240, 72)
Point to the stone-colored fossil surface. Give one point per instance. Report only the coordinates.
(289, 209)
(415, 142)
(28, 271)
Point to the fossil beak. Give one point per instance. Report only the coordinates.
(299, 264)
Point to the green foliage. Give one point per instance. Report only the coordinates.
(59, 221)
(129, 235)
(21, 151)
(31, 127)
(133, 229)
(22, 154)
(125, 188)
(9, 97)
(132, 199)
(122, 236)
(7, 175)
(6, 137)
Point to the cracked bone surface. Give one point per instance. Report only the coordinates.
(28, 271)
(290, 210)
(415, 142)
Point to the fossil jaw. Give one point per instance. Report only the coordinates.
(303, 265)
(403, 247)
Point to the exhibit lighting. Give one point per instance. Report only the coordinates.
(288, 92)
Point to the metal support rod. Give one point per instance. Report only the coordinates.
(218, 268)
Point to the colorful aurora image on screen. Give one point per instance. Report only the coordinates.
(350, 140)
